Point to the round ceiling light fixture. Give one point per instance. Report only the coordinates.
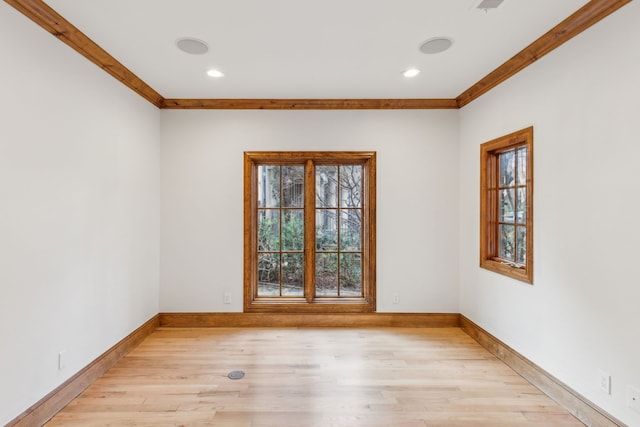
(411, 72)
(436, 45)
(192, 46)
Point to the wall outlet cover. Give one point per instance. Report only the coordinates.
(604, 381)
(62, 360)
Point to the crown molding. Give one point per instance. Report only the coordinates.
(40, 13)
(43, 15)
(309, 104)
(583, 18)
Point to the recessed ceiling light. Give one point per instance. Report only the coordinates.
(411, 72)
(215, 73)
(192, 46)
(436, 45)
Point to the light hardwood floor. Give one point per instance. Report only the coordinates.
(302, 377)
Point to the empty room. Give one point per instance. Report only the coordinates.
(337, 213)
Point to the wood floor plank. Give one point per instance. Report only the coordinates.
(307, 377)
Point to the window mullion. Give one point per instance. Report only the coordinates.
(516, 243)
(363, 235)
(309, 231)
(495, 206)
(339, 226)
(280, 217)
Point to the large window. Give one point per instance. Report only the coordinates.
(309, 231)
(506, 205)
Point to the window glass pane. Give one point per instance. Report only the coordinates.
(326, 186)
(350, 230)
(293, 230)
(268, 230)
(292, 274)
(521, 210)
(268, 274)
(326, 230)
(351, 186)
(507, 167)
(293, 186)
(522, 166)
(521, 255)
(268, 186)
(506, 205)
(327, 274)
(350, 274)
(506, 242)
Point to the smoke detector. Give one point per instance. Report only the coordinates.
(488, 4)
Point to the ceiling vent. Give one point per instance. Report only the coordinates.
(489, 4)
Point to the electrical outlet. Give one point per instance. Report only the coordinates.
(633, 398)
(604, 381)
(227, 298)
(396, 298)
(62, 360)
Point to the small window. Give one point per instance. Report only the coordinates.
(506, 205)
(309, 231)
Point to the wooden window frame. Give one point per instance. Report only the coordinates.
(489, 171)
(309, 303)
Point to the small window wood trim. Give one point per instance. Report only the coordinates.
(516, 225)
(309, 302)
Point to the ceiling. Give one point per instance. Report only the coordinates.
(303, 49)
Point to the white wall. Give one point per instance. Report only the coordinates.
(202, 199)
(581, 314)
(79, 184)
(79, 216)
